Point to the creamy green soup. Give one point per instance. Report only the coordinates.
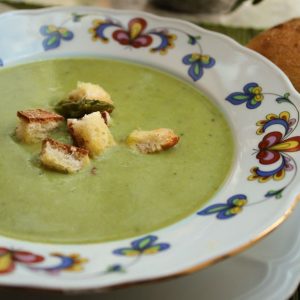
(120, 194)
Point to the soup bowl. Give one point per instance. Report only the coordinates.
(257, 100)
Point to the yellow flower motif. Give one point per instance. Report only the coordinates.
(78, 263)
(256, 90)
(97, 30)
(240, 202)
(70, 263)
(259, 97)
(262, 179)
(205, 58)
(285, 115)
(196, 56)
(52, 28)
(235, 210)
(255, 176)
(170, 38)
(62, 30)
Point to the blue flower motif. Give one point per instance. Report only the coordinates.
(227, 210)
(252, 95)
(198, 63)
(144, 245)
(54, 35)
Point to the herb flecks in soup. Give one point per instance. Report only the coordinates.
(121, 193)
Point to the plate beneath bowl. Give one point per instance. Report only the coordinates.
(258, 100)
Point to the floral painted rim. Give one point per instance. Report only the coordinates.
(157, 279)
(251, 95)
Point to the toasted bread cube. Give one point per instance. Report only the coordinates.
(91, 133)
(62, 157)
(35, 124)
(86, 90)
(152, 141)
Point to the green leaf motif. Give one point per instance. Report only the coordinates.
(191, 60)
(65, 33)
(130, 252)
(275, 193)
(153, 249)
(192, 40)
(52, 40)
(115, 269)
(77, 17)
(239, 202)
(144, 243)
(228, 213)
(241, 97)
(284, 98)
(196, 69)
(215, 209)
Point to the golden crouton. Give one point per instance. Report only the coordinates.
(91, 133)
(35, 124)
(86, 90)
(152, 141)
(62, 157)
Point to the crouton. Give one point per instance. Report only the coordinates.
(86, 90)
(35, 125)
(91, 133)
(152, 141)
(62, 157)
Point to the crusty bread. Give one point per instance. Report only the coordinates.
(35, 124)
(152, 141)
(86, 90)
(62, 157)
(281, 45)
(91, 133)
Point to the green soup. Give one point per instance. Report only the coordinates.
(122, 193)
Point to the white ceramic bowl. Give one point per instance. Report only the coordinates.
(258, 100)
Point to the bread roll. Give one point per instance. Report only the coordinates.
(281, 45)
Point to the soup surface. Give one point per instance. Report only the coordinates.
(122, 193)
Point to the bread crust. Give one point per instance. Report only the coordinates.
(281, 45)
(67, 149)
(62, 157)
(39, 116)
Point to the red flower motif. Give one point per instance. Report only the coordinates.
(273, 144)
(9, 258)
(135, 35)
